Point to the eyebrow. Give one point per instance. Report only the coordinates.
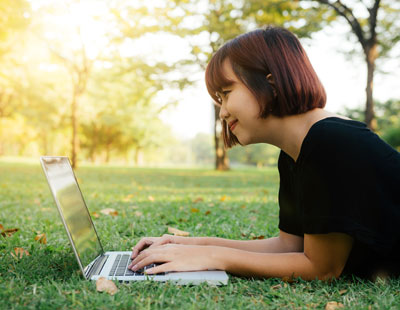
(229, 85)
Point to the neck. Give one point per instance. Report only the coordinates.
(288, 132)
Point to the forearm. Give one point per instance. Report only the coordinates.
(270, 245)
(268, 265)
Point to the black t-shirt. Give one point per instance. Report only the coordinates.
(347, 180)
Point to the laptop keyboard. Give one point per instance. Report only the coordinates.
(120, 267)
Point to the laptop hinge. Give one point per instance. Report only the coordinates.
(97, 266)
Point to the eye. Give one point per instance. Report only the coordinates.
(226, 92)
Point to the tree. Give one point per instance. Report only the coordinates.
(202, 148)
(71, 51)
(377, 36)
(126, 114)
(387, 120)
(257, 154)
(14, 19)
(212, 23)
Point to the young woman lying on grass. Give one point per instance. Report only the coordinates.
(339, 182)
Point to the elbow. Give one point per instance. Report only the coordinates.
(329, 274)
(324, 272)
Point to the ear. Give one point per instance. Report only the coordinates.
(271, 81)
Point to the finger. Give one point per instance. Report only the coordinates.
(153, 258)
(142, 255)
(163, 240)
(138, 258)
(161, 268)
(142, 244)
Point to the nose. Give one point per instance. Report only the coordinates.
(223, 112)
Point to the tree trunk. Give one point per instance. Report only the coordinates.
(108, 150)
(45, 144)
(138, 156)
(371, 54)
(1, 137)
(221, 156)
(74, 123)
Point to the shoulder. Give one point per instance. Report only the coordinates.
(334, 130)
(346, 151)
(335, 138)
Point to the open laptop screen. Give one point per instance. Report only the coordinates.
(72, 208)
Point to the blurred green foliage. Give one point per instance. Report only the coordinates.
(387, 117)
(54, 54)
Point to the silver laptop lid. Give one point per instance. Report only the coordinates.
(72, 208)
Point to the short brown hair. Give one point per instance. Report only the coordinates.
(254, 55)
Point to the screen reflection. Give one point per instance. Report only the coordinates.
(72, 206)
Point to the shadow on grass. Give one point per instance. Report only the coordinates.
(42, 265)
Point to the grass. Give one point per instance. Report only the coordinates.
(239, 204)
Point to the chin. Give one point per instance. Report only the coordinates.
(244, 141)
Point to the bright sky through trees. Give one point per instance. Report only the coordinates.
(344, 82)
(344, 79)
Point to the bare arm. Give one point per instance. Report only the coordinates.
(324, 257)
(283, 243)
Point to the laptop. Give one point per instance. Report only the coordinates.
(93, 261)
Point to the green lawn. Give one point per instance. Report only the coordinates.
(238, 204)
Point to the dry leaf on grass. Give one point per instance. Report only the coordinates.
(41, 238)
(95, 214)
(177, 232)
(333, 305)
(257, 237)
(109, 211)
(1, 227)
(223, 198)
(276, 287)
(199, 199)
(104, 285)
(8, 232)
(128, 197)
(341, 292)
(195, 210)
(19, 253)
(151, 198)
(207, 212)
(138, 213)
(36, 201)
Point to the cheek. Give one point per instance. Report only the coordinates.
(249, 103)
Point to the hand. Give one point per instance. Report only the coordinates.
(149, 242)
(176, 257)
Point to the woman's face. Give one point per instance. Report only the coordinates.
(240, 108)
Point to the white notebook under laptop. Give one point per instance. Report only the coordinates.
(92, 259)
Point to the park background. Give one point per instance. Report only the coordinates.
(123, 81)
(118, 86)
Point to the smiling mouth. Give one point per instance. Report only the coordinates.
(232, 124)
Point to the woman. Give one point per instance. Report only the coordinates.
(339, 206)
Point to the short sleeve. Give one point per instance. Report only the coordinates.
(288, 210)
(346, 183)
